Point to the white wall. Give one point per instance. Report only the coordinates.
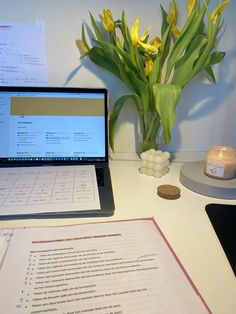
(206, 113)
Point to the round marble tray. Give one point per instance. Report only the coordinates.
(192, 177)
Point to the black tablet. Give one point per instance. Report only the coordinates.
(223, 219)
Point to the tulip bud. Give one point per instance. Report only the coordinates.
(107, 21)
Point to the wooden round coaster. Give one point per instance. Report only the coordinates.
(168, 191)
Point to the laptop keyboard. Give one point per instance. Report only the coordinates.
(100, 176)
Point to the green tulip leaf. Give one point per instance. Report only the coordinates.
(210, 73)
(184, 67)
(98, 56)
(96, 28)
(215, 57)
(189, 31)
(84, 38)
(114, 114)
(164, 24)
(166, 99)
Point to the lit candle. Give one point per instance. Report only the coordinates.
(220, 162)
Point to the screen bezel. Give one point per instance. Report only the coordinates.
(4, 162)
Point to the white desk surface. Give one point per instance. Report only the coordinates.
(184, 222)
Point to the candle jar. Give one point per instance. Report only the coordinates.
(220, 162)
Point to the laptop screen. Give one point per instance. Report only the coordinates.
(44, 125)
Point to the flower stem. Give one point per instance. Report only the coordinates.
(149, 129)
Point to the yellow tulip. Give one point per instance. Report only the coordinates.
(134, 32)
(148, 65)
(80, 44)
(190, 6)
(219, 10)
(153, 47)
(156, 42)
(175, 31)
(107, 21)
(173, 13)
(172, 17)
(148, 48)
(145, 34)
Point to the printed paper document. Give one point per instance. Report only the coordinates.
(34, 190)
(22, 54)
(121, 267)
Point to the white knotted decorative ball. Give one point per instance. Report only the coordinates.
(154, 163)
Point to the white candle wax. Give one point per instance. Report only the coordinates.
(220, 162)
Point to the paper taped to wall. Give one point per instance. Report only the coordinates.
(22, 54)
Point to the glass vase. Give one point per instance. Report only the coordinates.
(149, 129)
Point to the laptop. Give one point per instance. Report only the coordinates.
(53, 130)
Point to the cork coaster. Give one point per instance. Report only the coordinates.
(168, 191)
